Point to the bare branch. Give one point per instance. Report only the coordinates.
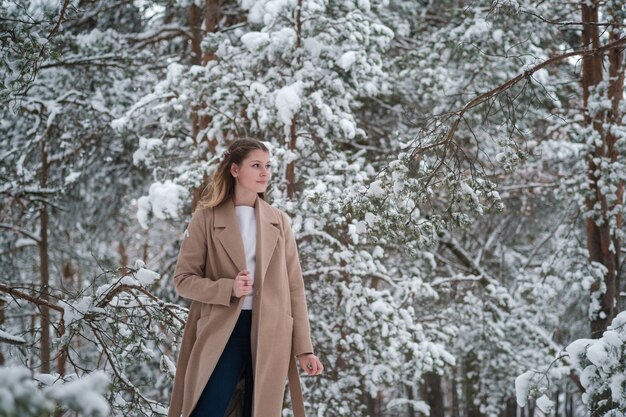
(19, 230)
(35, 300)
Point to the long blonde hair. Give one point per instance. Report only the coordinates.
(222, 184)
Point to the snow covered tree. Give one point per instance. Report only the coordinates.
(67, 177)
(454, 206)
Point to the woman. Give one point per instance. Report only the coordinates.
(239, 266)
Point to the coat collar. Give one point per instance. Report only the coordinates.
(229, 234)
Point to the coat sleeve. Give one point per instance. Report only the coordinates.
(301, 330)
(190, 278)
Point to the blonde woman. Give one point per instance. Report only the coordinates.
(247, 324)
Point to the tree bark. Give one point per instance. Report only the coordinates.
(455, 396)
(44, 275)
(603, 245)
(410, 397)
(2, 304)
(291, 167)
(470, 384)
(433, 394)
(211, 23)
(195, 20)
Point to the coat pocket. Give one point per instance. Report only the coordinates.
(205, 313)
(205, 310)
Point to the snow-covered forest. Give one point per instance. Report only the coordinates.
(454, 172)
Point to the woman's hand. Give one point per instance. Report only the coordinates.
(243, 284)
(310, 363)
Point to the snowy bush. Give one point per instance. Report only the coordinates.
(601, 368)
(21, 396)
(135, 330)
(601, 365)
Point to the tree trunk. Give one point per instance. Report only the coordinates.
(410, 397)
(195, 21)
(291, 167)
(557, 403)
(44, 276)
(211, 22)
(510, 410)
(455, 396)
(2, 304)
(603, 245)
(433, 394)
(470, 385)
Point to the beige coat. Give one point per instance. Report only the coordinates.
(211, 255)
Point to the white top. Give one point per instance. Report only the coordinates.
(247, 225)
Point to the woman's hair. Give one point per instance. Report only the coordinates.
(222, 184)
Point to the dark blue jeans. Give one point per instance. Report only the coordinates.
(235, 363)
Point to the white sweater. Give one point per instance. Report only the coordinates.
(247, 225)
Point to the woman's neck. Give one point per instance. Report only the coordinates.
(247, 199)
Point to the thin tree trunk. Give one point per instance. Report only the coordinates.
(211, 21)
(291, 167)
(433, 394)
(44, 276)
(557, 403)
(569, 411)
(470, 384)
(510, 410)
(410, 396)
(195, 22)
(2, 318)
(455, 396)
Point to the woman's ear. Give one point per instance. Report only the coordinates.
(233, 169)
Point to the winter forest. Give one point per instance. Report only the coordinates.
(453, 171)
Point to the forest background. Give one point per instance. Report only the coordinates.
(454, 172)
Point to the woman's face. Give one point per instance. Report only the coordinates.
(253, 173)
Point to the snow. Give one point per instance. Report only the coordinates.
(371, 219)
(312, 46)
(75, 310)
(348, 127)
(7, 337)
(163, 202)
(346, 60)
(284, 38)
(258, 89)
(72, 177)
(522, 385)
(497, 35)
(18, 391)
(146, 277)
(254, 41)
(266, 11)
(146, 146)
(364, 5)
(128, 280)
(476, 30)
(84, 394)
(288, 102)
(376, 189)
(597, 353)
(612, 338)
(545, 404)
(576, 349)
(600, 363)
(167, 365)
(617, 386)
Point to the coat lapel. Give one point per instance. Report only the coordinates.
(229, 235)
(267, 233)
